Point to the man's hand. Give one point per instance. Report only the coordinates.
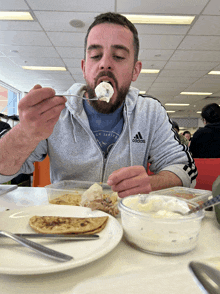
(130, 181)
(39, 111)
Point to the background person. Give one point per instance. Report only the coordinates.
(94, 140)
(205, 142)
(182, 139)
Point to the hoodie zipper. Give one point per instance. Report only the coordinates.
(105, 160)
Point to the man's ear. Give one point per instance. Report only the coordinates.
(136, 71)
(83, 65)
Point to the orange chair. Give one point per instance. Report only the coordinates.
(208, 171)
(41, 175)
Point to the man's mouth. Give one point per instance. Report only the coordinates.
(107, 81)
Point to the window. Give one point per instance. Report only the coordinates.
(9, 98)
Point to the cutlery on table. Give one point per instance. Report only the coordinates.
(69, 95)
(215, 200)
(71, 237)
(38, 247)
(4, 189)
(208, 278)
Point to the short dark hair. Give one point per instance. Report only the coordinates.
(211, 113)
(115, 18)
(186, 132)
(175, 125)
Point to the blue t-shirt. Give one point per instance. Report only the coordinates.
(105, 127)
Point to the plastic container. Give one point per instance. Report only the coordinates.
(159, 235)
(72, 190)
(194, 195)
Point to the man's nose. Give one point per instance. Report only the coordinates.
(106, 63)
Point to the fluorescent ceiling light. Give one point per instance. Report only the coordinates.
(142, 92)
(176, 104)
(15, 15)
(151, 71)
(169, 111)
(195, 93)
(199, 112)
(56, 68)
(214, 72)
(160, 19)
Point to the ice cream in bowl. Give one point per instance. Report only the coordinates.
(155, 226)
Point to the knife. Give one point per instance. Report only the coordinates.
(37, 247)
(5, 189)
(58, 236)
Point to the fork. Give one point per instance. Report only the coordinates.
(37, 247)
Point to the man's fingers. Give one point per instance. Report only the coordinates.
(37, 95)
(125, 173)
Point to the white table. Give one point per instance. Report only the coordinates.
(123, 270)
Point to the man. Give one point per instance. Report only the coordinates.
(95, 140)
(205, 142)
(183, 139)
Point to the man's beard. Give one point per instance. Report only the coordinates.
(104, 107)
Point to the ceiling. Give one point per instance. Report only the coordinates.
(184, 54)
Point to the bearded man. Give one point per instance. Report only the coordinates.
(96, 141)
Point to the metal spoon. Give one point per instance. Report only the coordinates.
(215, 200)
(38, 247)
(208, 278)
(69, 95)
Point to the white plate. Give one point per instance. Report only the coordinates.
(18, 260)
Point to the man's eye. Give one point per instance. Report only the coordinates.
(119, 57)
(96, 56)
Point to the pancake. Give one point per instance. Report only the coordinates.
(67, 225)
(67, 199)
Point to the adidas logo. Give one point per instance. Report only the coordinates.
(138, 138)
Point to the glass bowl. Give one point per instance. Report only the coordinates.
(160, 234)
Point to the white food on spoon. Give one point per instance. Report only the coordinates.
(104, 91)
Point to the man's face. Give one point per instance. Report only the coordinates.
(187, 136)
(110, 57)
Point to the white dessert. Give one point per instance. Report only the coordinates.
(159, 207)
(155, 227)
(104, 91)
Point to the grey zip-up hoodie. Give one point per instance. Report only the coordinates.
(147, 136)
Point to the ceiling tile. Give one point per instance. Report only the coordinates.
(13, 5)
(67, 39)
(28, 51)
(206, 25)
(160, 41)
(177, 79)
(75, 71)
(184, 65)
(56, 21)
(155, 54)
(67, 5)
(182, 73)
(153, 64)
(213, 8)
(72, 62)
(195, 55)
(24, 38)
(157, 29)
(200, 43)
(70, 52)
(168, 6)
(37, 61)
(19, 26)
